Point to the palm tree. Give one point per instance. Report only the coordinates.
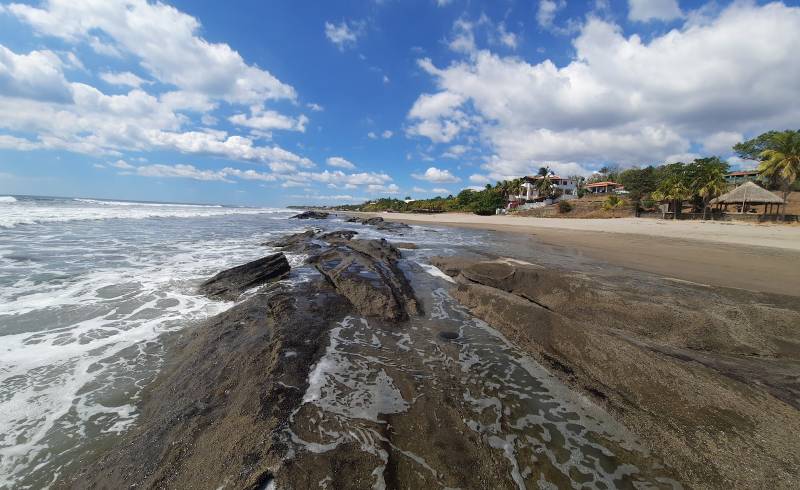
(544, 185)
(674, 186)
(544, 171)
(612, 203)
(781, 162)
(579, 181)
(708, 179)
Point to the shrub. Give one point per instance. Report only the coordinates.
(648, 204)
(564, 207)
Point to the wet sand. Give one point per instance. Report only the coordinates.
(763, 258)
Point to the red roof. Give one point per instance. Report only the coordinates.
(604, 184)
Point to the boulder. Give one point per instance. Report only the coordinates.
(366, 273)
(230, 284)
(311, 215)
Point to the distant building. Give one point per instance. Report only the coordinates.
(529, 192)
(605, 187)
(741, 176)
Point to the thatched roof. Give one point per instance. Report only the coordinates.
(748, 192)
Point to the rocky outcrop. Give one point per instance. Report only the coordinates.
(231, 283)
(311, 240)
(366, 273)
(673, 363)
(381, 224)
(311, 215)
(216, 417)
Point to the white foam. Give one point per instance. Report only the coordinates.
(33, 212)
(436, 272)
(7, 199)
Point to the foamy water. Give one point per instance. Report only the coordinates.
(87, 291)
(25, 210)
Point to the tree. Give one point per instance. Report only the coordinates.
(753, 148)
(781, 161)
(639, 181)
(674, 185)
(544, 186)
(707, 179)
(408, 198)
(612, 203)
(544, 171)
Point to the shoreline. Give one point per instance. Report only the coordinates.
(762, 258)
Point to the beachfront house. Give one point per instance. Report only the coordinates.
(605, 187)
(529, 189)
(741, 176)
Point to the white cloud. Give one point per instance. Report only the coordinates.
(443, 3)
(36, 75)
(622, 99)
(508, 39)
(437, 175)
(721, 143)
(121, 164)
(440, 190)
(125, 79)
(383, 189)
(647, 10)
(340, 163)
(479, 179)
(463, 40)
(182, 171)
(267, 120)
(387, 134)
(36, 99)
(418, 189)
(315, 107)
(343, 35)
(164, 40)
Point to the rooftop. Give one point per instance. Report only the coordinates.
(748, 192)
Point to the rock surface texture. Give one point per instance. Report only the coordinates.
(311, 215)
(231, 283)
(706, 377)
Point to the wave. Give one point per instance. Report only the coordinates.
(151, 204)
(29, 214)
(7, 199)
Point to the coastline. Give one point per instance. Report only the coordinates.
(762, 258)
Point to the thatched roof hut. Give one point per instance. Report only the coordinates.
(746, 195)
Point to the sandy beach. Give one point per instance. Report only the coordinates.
(763, 258)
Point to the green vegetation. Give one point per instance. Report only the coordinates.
(612, 203)
(483, 202)
(564, 207)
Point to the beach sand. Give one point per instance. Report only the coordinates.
(763, 258)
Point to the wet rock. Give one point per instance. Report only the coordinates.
(311, 215)
(405, 245)
(366, 273)
(216, 416)
(703, 411)
(381, 224)
(338, 236)
(231, 283)
(294, 241)
(448, 335)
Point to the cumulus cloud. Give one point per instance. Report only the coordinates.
(440, 190)
(437, 175)
(267, 120)
(180, 171)
(340, 163)
(132, 25)
(343, 35)
(622, 99)
(647, 10)
(36, 75)
(124, 79)
(38, 101)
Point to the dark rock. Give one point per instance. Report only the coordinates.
(231, 283)
(381, 224)
(448, 335)
(338, 236)
(293, 241)
(366, 273)
(216, 415)
(311, 215)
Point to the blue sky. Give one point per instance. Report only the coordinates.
(290, 102)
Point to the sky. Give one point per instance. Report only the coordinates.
(294, 102)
